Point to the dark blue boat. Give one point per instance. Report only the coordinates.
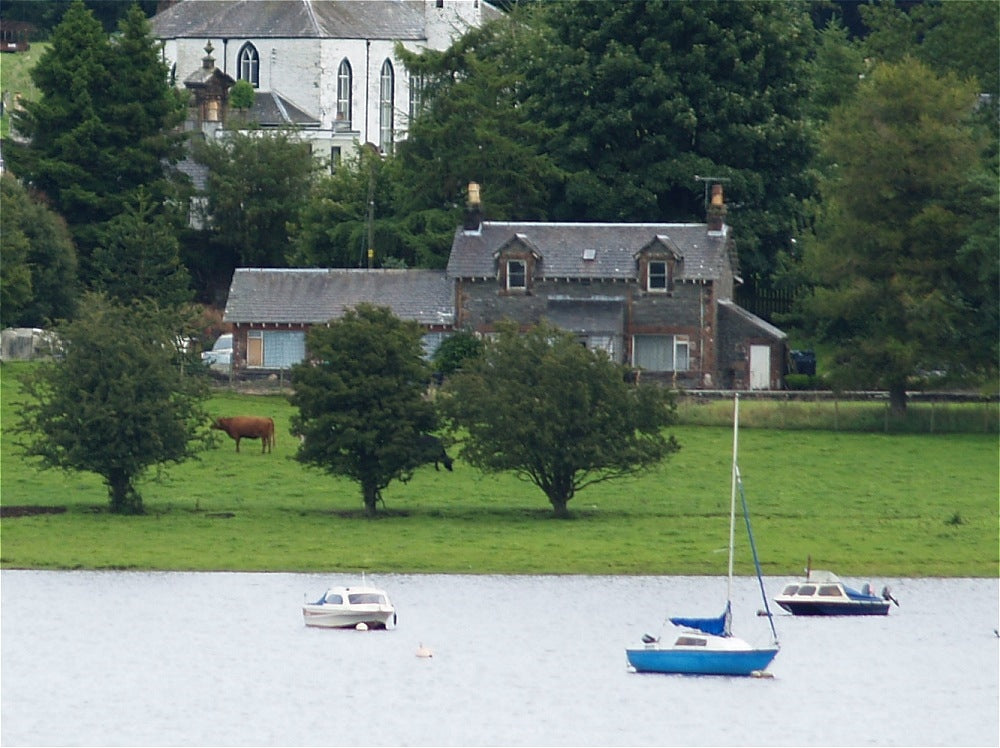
(822, 593)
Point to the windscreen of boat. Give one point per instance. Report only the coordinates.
(334, 598)
(830, 590)
(790, 589)
(361, 598)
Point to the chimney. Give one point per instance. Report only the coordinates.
(716, 213)
(473, 210)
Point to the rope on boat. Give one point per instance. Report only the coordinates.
(753, 548)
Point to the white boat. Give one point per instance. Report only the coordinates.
(706, 646)
(350, 608)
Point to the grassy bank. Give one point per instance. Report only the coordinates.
(862, 504)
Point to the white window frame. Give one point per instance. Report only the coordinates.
(344, 77)
(661, 352)
(522, 274)
(249, 64)
(386, 107)
(416, 95)
(660, 276)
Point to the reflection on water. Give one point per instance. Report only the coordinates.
(125, 658)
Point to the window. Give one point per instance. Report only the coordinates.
(661, 352)
(416, 95)
(273, 349)
(334, 158)
(386, 107)
(830, 590)
(343, 114)
(249, 64)
(657, 276)
(516, 274)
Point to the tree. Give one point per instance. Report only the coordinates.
(361, 400)
(103, 125)
(644, 97)
(139, 258)
(901, 283)
(119, 402)
(346, 213)
(38, 284)
(472, 128)
(455, 351)
(556, 414)
(241, 95)
(256, 183)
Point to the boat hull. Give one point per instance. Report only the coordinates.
(322, 617)
(692, 662)
(819, 608)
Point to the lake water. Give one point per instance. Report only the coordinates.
(220, 659)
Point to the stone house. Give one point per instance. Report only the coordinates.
(327, 67)
(655, 296)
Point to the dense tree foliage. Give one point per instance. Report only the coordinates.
(455, 351)
(119, 402)
(903, 279)
(38, 284)
(361, 400)
(256, 184)
(556, 414)
(139, 258)
(103, 126)
(347, 213)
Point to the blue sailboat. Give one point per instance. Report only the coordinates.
(706, 646)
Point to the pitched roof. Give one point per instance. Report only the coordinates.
(590, 250)
(727, 306)
(294, 19)
(313, 296)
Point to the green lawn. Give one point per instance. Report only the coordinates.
(861, 504)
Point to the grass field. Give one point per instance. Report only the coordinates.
(15, 79)
(861, 504)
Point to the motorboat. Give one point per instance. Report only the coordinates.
(351, 608)
(822, 593)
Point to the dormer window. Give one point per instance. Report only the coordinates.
(658, 278)
(517, 275)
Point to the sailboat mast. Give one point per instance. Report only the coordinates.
(732, 498)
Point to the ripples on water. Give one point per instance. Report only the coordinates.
(120, 658)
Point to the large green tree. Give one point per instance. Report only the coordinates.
(361, 400)
(257, 183)
(103, 126)
(38, 284)
(647, 96)
(905, 254)
(119, 402)
(347, 213)
(139, 258)
(556, 414)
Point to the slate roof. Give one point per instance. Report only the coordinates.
(728, 306)
(314, 296)
(292, 19)
(271, 109)
(561, 247)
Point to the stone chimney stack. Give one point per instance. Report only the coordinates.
(716, 213)
(473, 210)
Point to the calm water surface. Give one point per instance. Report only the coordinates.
(127, 658)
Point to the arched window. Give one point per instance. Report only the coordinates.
(386, 107)
(248, 62)
(343, 116)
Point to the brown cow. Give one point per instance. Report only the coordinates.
(248, 427)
